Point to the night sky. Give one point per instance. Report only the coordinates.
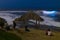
(30, 4)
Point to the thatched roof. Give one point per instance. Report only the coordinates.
(29, 15)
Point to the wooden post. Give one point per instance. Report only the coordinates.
(36, 22)
(39, 23)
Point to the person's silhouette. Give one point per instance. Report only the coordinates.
(14, 24)
(26, 28)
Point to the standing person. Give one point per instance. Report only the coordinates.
(14, 24)
(26, 28)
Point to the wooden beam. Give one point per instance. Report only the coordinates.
(39, 23)
(36, 22)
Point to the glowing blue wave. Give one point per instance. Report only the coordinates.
(49, 12)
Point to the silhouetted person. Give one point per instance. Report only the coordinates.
(26, 29)
(14, 24)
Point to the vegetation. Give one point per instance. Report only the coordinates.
(2, 22)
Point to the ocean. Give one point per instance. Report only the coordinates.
(9, 16)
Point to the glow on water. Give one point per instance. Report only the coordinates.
(49, 12)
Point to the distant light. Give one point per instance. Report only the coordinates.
(49, 12)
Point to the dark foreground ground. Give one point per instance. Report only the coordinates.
(8, 36)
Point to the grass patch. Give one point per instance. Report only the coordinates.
(35, 34)
(8, 36)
